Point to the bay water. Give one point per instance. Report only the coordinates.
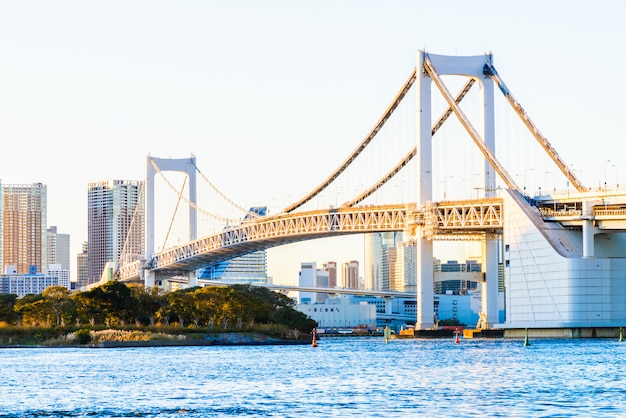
(341, 377)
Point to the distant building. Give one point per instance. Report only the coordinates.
(350, 275)
(248, 268)
(115, 224)
(58, 248)
(404, 278)
(82, 269)
(376, 269)
(340, 313)
(397, 313)
(311, 276)
(23, 219)
(331, 268)
(460, 286)
(34, 283)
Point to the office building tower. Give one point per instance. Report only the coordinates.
(23, 219)
(311, 276)
(115, 224)
(456, 286)
(306, 278)
(249, 268)
(58, 249)
(350, 275)
(376, 270)
(82, 269)
(404, 278)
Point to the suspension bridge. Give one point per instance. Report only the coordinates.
(562, 252)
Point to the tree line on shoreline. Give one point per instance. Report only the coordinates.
(115, 304)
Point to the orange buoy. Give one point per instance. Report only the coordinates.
(456, 339)
(314, 338)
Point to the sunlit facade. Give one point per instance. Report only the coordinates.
(115, 223)
(24, 218)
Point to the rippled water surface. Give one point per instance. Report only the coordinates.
(341, 377)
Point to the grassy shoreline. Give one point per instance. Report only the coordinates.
(23, 337)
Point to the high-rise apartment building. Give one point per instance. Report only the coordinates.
(331, 268)
(115, 224)
(23, 218)
(57, 248)
(82, 268)
(350, 275)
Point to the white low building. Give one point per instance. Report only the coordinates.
(340, 312)
(35, 283)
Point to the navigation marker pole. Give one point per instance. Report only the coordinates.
(387, 334)
(526, 343)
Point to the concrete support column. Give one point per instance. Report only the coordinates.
(588, 229)
(425, 285)
(489, 288)
(148, 278)
(193, 278)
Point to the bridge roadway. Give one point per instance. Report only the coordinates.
(466, 218)
(330, 290)
(450, 220)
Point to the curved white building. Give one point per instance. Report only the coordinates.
(566, 269)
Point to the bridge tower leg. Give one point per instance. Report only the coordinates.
(425, 279)
(489, 288)
(185, 165)
(471, 66)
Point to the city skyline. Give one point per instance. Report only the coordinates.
(90, 90)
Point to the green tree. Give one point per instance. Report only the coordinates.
(179, 304)
(208, 302)
(33, 310)
(145, 303)
(60, 301)
(87, 308)
(7, 303)
(109, 303)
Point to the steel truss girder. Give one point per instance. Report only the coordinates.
(471, 220)
(462, 218)
(263, 233)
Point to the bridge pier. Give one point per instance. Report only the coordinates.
(425, 285)
(192, 277)
(489, 288)
(148, 278)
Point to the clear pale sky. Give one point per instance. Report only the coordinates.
(257, 90)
